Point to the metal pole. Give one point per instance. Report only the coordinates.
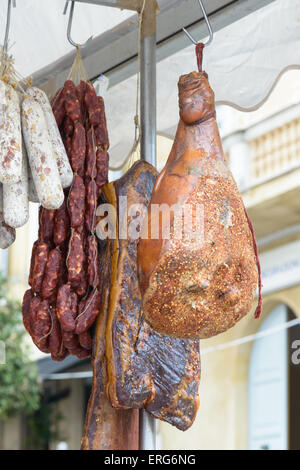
(147, 428)
(148, 152)
(148, 84)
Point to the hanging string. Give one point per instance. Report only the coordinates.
(247, 339)
(9, 74)
(199, 55)
(133, 154)
(259, 304)
(78, 72)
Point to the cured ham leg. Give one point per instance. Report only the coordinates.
(197, 285)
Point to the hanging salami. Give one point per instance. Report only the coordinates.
(64, 265)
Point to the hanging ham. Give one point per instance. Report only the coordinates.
(199, 282)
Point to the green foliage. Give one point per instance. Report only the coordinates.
(43, 426)
(19, 389)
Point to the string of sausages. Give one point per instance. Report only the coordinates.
(63, 301)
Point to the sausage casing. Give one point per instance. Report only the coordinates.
(41, 253)
(10, 135)
(52, 271)
(15, 199)
(63, 164)
(40, 154)
(63, 308)
(91, 309)
(7, 234)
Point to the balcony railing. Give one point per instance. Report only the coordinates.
(275, 152)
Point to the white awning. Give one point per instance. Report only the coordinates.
(246, 58)
(244, 63)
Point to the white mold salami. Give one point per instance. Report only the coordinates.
(15, 199)
(32, 194)
(63, 164)
(10, 135)
(1, 197)
(7, 234)
(40, 154)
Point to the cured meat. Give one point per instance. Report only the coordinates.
(144, 368)
(75, 258)
(68, 126)
(78, 148)
(91, 169)
(64, 264)
(15, 199)
(10, 135)
(106, 428)
(42, 326)
(80, 91)
(7, 234)
(32, 194)
(201, 283)
(90, 312)
(61, 225)
(46, 224)
(41, 156)
(55, 340)
(63, 164)
(101, 134)
(58, 106)
(70, 340)
(63, 353)
(51, 274)
(92, 261)
(28, 296)
(92, 105)
(76, 202)
(72, 105)
(40, 253)
(102, 167)
(91, 205)
(85, 340)
(63, 308)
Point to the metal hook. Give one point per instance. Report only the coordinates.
(5, 44)
(70, 25)
(211, 34)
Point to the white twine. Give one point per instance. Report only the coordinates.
(247, 339)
